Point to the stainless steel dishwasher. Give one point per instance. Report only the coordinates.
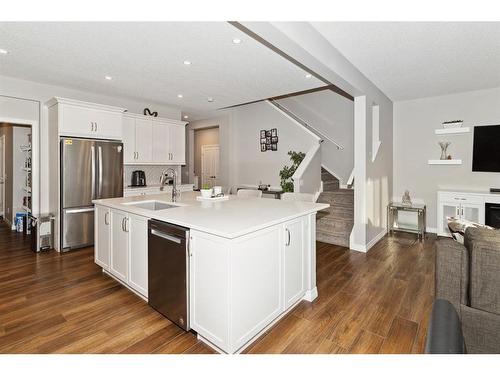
(168, 271)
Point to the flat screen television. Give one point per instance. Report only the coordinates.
(486, 150)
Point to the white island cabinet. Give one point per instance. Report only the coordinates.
(121, 247)
(250, 260)
(239, 287)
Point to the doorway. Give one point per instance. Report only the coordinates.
(15, 174)
(210, 165)
(2, 175)
(206, 156)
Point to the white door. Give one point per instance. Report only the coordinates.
(446, 210)
(119, 245)
(129, 140)
(138, 253)
(143, 139)
(210, 165)
(161, 143)
(77, 121)
(2, 175)
(108, 124)
(102, 246)
(293, 258)
(177, 144)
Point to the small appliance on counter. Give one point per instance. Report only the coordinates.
(138, 178)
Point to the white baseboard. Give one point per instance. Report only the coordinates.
(311, 295)
(369, 245)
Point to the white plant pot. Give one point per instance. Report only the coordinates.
(206, 193)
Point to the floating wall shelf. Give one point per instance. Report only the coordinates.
(445, 162)
(452, 131)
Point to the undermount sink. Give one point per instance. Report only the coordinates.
(152, 205)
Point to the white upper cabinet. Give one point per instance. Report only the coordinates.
(177, 144)
(153, 141)
(161, 145)
(81, 119)
(143, 137)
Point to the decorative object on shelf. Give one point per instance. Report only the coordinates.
(444, 147)
(287, 172)
(147, 112)
(269, 140)
(406, 200)
(453, 124)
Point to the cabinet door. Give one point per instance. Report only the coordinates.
(472, 212)
(119, 245)
(102, 245)
(77, 121)
(138, 253)
(128, 140)
(446, 210)
(293, 258)
(161, 143)
(108, 124)
(177, 144)
(143, 140)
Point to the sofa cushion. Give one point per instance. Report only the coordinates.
(481, 331)
(483, 246)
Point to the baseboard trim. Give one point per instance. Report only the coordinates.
(369, 245)
(311, 294)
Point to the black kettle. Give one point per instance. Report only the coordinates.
(138, 178)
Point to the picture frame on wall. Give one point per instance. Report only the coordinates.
(268, 133)
(268, 140)
(268, 146)
(263, 140)
(262, 134)
(274, 139)
(274, 147)
(263, 147)
(274, 132)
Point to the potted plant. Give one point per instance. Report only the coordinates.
(206, 191)
(287, 172)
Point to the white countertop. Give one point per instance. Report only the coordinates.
(156, 186)
(229, 219)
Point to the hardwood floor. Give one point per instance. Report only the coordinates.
(368, 303)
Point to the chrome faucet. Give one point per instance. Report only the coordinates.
(163, 180)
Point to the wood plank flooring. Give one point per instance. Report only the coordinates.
(368, 303)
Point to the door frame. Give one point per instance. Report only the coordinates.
(2, 141)
(35, 158)
(203, 148)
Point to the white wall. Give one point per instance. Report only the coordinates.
(250, 165)
(415, 143)
(23, 99)
(333, 116)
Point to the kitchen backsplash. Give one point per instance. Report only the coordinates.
(153, 173)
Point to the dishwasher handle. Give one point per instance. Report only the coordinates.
(166, 236)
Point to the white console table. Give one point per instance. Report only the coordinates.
(467, 205)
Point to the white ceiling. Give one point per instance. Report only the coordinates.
(145, 61)
(408, 60)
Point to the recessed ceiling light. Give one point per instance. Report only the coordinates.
(308, 75)
(109, 78)
(180, 96)
(187, 62)
(3, 51)
(236, 41)
(186, 116)
(210, 100)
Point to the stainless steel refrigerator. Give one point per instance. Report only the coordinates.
(90, 169)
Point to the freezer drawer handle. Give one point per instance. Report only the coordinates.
(79, 210)
(165, 236)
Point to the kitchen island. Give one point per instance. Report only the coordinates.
(250, 260)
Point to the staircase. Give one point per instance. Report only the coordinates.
(334, 224)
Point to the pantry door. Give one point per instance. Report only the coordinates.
(210, 165)
(2, 175)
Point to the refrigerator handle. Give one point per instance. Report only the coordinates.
(99, 191)
(92, 148)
